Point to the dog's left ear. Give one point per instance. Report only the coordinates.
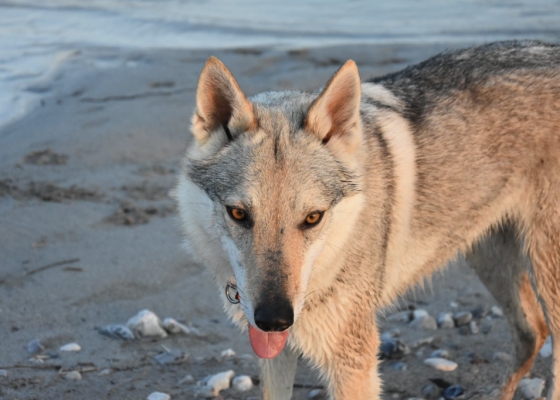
(335, 115)
(221, 106)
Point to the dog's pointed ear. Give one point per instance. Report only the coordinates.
(220, 104)
(335, 115)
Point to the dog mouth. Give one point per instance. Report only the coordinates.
(264, 344)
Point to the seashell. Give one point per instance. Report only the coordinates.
(71, 347)
(117, 332)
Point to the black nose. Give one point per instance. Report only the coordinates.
(274, 316)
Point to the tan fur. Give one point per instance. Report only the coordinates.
(536, 320)
(420, 193)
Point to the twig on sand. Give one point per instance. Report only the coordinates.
(52, 265)
(48, 366)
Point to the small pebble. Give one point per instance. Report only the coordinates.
(158, 396)
(220, 381)
(174, 356)
(501, 356)
(441, 353)
(316, 394)
(486, 327)
(146, 323)
(420, 313)
(426, 322)
(445, 321)
(106, 371)
(393, 333)
(430, 392)
(452, 392)
(403, 316)
(473, 328)
(531, 389)
(35, 346)
(480, 312)
(454, 304)
(117, 332)
(173, 326)
(187, 380)
(393, 348)
(73, 376)
(423, 342)
(441, 364)
(227, 353)
(242, 383)
(400, 366)
(71, 347)
(3, 373)
(496, 312)
(546, 350)
(462, 318)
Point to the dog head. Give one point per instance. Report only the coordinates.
(271, 187)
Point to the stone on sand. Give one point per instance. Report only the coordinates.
(158, 396)
(445, 321)
(73, 376)
(531, 389)
(216, 383)
(71, 347)
(546, 350)
(441, 364)
(242, 383)
(146, 323)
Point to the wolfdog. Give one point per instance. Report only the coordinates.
(315, 210)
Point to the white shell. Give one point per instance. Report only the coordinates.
(71, 347)
(441, 364)
(146, 323)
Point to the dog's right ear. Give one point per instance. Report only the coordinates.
(221, 106)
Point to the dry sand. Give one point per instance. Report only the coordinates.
(85, 179)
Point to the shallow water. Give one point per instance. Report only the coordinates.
(36, 37)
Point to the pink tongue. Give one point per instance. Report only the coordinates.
(267, 344)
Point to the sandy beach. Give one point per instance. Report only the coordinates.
(89, 234)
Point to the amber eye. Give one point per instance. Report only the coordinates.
(237, 213)
(313, 219)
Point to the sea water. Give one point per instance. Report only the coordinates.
(37, 37)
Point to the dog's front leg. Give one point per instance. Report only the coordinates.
(352, 368)
(278, 374)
